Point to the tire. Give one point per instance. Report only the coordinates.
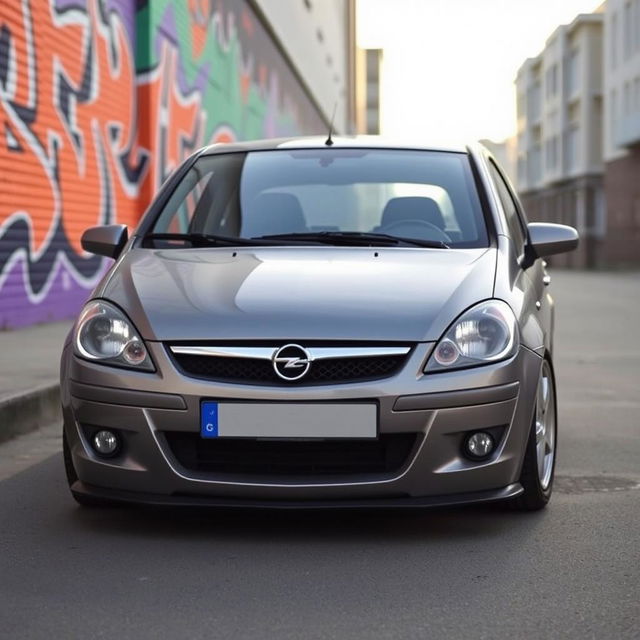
(72, 477)
(539, 462)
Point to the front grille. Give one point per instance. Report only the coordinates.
(289, 457)
(256, 371)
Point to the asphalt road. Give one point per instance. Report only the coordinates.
(572, 571)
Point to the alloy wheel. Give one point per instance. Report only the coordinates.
(545, 426)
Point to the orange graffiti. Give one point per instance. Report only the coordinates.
(198, 10)
(90, 126)
(72, 136)
(171, 125)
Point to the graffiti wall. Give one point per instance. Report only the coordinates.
(99, 101)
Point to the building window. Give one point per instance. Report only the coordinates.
(534, 165)
(632, 27)
(614, 116)
(551, 154)
(552, 81)
(572, 147)
(573, 113)
(626, 100)
(637, 24)
(534, 107)
(573, 79)
(547, 154)
(628, 26)
(614, 40)
(520, 104)
(547, 84)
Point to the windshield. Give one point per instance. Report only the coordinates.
(424, 195)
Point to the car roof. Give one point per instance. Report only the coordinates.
(319, 142)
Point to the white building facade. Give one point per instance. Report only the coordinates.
(560, 133)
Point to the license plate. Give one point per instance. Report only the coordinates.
(287, 420)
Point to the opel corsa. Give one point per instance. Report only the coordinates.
(310, 323)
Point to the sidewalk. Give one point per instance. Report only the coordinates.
(29, 370)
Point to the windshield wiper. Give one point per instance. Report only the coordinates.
(213, 240)
(346, 238)
(358, 238)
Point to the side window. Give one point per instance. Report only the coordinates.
(516, 228)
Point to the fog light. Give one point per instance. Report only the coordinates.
(106, 443)
(479, 445)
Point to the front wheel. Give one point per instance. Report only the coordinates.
(540, 456)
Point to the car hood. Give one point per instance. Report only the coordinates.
(299, 293)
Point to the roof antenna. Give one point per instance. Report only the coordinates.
(329, 140)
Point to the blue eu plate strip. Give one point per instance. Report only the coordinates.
(209, 419)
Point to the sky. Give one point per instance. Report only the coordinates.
(449, 65)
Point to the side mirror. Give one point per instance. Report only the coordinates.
(547, 239)
(108, 240)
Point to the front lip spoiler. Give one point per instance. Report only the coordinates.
(128, 497)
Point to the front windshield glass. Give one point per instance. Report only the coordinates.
(425, 195)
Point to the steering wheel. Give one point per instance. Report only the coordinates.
(394, 228)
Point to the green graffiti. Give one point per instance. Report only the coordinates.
(221, 96)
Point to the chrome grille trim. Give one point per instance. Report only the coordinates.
(255, 353)
(266, 353)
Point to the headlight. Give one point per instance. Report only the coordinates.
(104, 334)
(485, 333)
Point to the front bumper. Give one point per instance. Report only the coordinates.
(440, 408)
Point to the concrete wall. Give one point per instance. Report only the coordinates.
(315, 34)
(99, 101)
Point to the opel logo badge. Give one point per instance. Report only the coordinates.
(291, 362)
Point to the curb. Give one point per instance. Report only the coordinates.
(25, 412)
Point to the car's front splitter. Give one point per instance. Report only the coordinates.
(83, 490)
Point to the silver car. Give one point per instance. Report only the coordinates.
(310, 323)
